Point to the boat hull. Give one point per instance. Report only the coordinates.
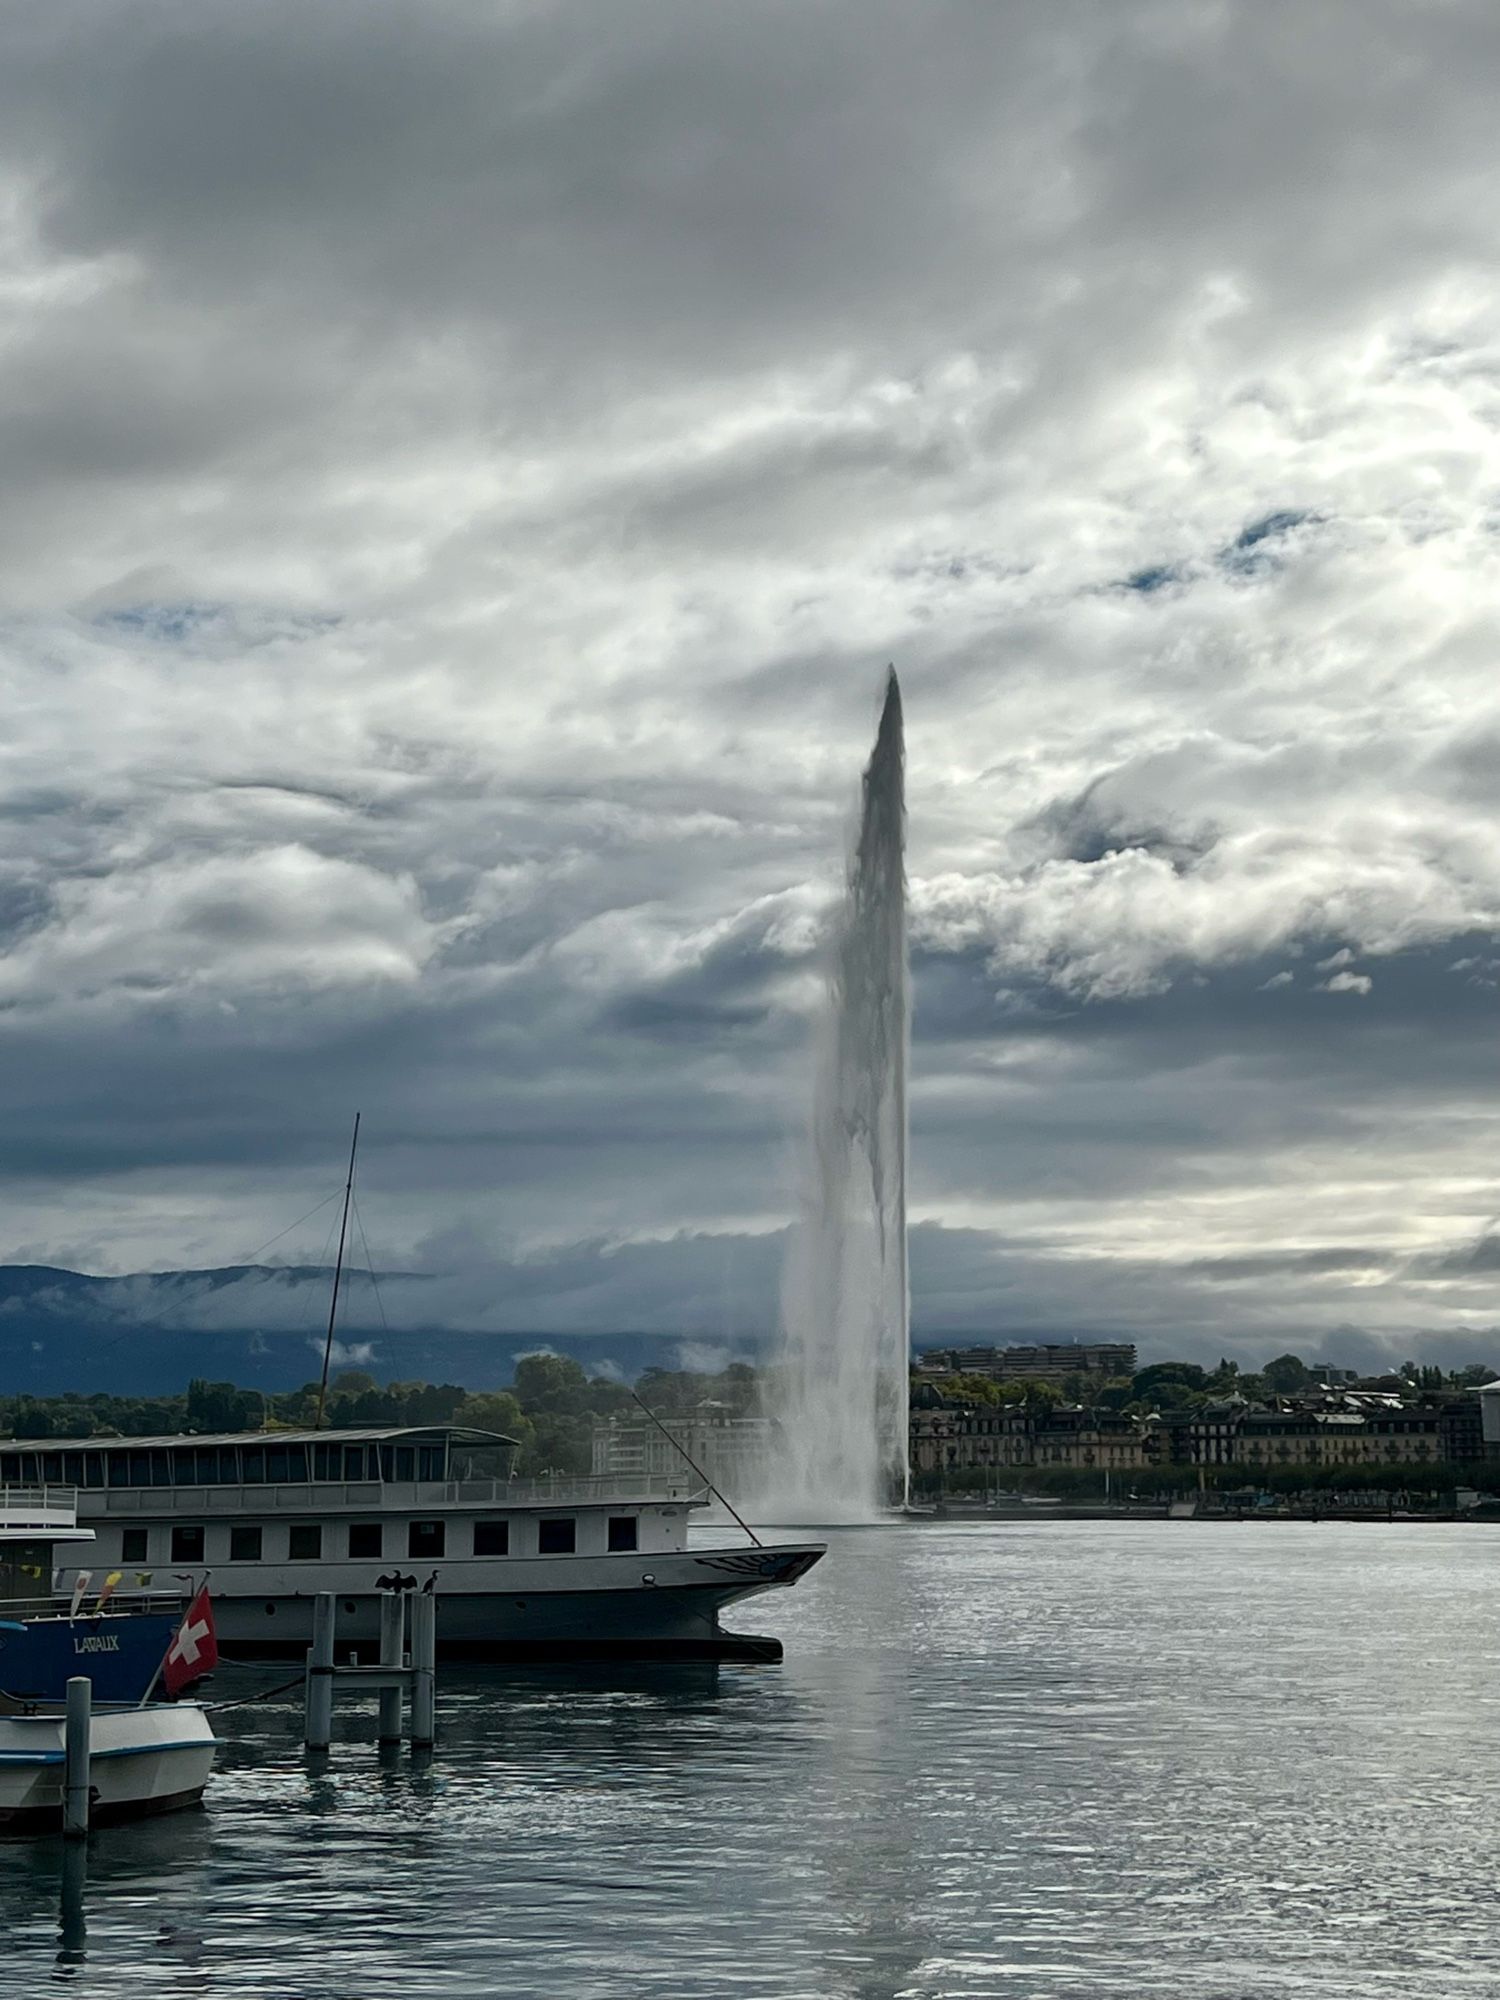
(118, 1652)
(142, 1761)
(673, 1616)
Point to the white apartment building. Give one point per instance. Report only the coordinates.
(731, 1451)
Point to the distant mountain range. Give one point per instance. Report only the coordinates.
(261, 1327)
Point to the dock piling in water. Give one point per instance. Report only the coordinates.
(407, 1665)
(391, 1622)
(318, 1733)
(423, 1670)
(77, 1715)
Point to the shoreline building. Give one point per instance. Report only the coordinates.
(1048, 1361)
(1324, 1432)
(980, 1437)
(733, 1452)
(1349, 1430)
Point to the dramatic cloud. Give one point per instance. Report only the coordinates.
(463, 471)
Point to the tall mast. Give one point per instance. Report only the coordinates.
(338, 1270)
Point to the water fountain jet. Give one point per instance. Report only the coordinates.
(839, 1389)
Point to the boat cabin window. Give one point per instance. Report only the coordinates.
(557, 1537)
(304, 1541)
(263, 1460)
(492, 1538)
(187, 1544)
(25, 1571)
(425, 1538)
(244, 1545)
(205, 1465)
(624, 1533)
(35, 1468)
(366, 1541)
(479, 1461)
(133, 1545)
(145, 1468)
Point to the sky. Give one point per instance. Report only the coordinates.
(464, 471)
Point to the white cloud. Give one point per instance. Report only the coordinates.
(460, 481)
(235, 921)
(1347, 982)
(350, 1354)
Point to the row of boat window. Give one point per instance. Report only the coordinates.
(368, 1541)
(226, 1465)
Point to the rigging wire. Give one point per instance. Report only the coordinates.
(359, 1223)
(312, 1312)
(142, 1325)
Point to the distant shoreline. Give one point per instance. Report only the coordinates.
(1012, 1515)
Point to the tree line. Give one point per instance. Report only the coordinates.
(1185, 1385)
(550, 1408)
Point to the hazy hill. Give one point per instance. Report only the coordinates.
(259, 1326)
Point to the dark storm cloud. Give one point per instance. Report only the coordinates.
(462, 473)
(1265, 1264)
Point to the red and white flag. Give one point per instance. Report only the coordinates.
(194, 1652)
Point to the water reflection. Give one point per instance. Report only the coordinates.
(1038, 1762)
(72, 1925)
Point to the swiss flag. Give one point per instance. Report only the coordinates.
(195, 1651)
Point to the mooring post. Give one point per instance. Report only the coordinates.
(318, 1728)
(73, 1930)
(423, 1670)
(76, 1714)
(392, 1625)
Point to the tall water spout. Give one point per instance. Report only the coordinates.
(840, 1390)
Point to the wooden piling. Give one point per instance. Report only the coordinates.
(77, 1715)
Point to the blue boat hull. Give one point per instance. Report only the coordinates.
(119, 1652)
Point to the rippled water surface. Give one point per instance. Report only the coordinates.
(1043, 1760)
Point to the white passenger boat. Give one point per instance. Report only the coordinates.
(544, 1569)
(141, 1760)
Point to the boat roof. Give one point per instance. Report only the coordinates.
(387, 1434)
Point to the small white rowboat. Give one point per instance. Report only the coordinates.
(141, 1760)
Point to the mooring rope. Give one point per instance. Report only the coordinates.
(247, 1700)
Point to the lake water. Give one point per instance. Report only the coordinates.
(1046, 1761)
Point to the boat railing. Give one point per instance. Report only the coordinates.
(391, 1496)
(37, 1507)
(169, 1598)
(587, 1490)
